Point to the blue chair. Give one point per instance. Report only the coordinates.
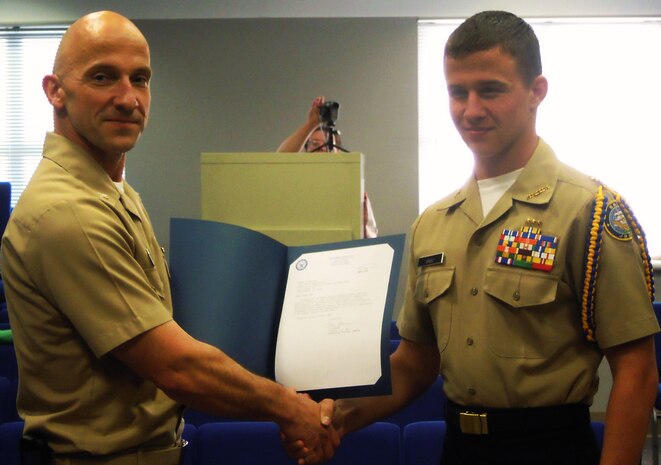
(5, 396)
(8, 390)
(394, 332)
(428, 407)
(4, 314)
(10, 437)
(249, 443)
(197, 418)
(189, 454)
(657, 403)
(8, 364)
(598, 428)
(5, 205)
(376, 444)
(13, 393)
(422, 443)
(241, 443)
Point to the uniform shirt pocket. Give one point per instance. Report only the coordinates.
(433, 288)
(522, 321)
(521, 288)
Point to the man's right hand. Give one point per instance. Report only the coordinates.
(313, 114)
(310, 437)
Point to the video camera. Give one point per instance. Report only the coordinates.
(328, 113)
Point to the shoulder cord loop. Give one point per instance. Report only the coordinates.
(592, 257)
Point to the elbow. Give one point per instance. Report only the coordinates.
(175, 381)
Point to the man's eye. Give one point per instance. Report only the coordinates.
(458, 94)
(490, 92)
(141, 80)
(100, 78)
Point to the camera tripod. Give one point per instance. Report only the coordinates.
(330, 138)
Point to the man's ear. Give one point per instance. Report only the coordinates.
(538, 90)
(54, 92)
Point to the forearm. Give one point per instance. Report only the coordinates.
(414, 367)
(212, 382)
(357, 413)
(202, 377)
(629, 409)
(295, 142)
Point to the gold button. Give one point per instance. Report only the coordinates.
(469, 341)
(516, 295)
(474, 291)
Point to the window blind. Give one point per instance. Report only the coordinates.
(601, 114)
(26, 56)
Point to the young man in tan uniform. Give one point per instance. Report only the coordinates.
(520, 283)
(104, 370)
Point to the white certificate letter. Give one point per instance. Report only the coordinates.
(330, 327)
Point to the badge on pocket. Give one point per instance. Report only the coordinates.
(526, 248)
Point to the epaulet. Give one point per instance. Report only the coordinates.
(610, 212)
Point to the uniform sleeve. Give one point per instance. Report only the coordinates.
(622, 306)
(414, 321)
(85, 263)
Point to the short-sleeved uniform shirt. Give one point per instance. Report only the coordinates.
(83, 273)
(512, 336)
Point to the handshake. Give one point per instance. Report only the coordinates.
(310, 434)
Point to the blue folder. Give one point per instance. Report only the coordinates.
(228, 286)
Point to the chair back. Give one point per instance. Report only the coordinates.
(5, 205)
(247, 443)
(657, 336)
(422, 442)
(241, 443)
(428, 407)
(376, 444)
(10, 439)
(189, 454)
(8, 364)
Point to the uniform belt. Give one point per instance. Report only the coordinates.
(476, 420)
(168, 456)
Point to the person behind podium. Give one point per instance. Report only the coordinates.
(312, 137)
(104, 370)
(309, 136)
(520, 282)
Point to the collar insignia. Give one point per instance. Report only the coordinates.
(538, 192)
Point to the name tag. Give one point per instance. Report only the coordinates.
(431, 260)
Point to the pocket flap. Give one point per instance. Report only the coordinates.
(521, 288)
(432, 284)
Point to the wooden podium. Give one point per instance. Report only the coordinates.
(295, 198)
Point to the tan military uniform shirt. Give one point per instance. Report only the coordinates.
(83, 273)
(509, 336)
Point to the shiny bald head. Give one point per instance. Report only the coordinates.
(99, 88)
(92, 31)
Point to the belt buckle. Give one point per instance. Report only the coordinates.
(473, 423)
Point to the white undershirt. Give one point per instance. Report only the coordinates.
(492, 189)
(119, 186)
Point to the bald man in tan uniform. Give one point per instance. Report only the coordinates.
(104, 370)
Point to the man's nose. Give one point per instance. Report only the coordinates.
(126, 97)
(474, 106)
